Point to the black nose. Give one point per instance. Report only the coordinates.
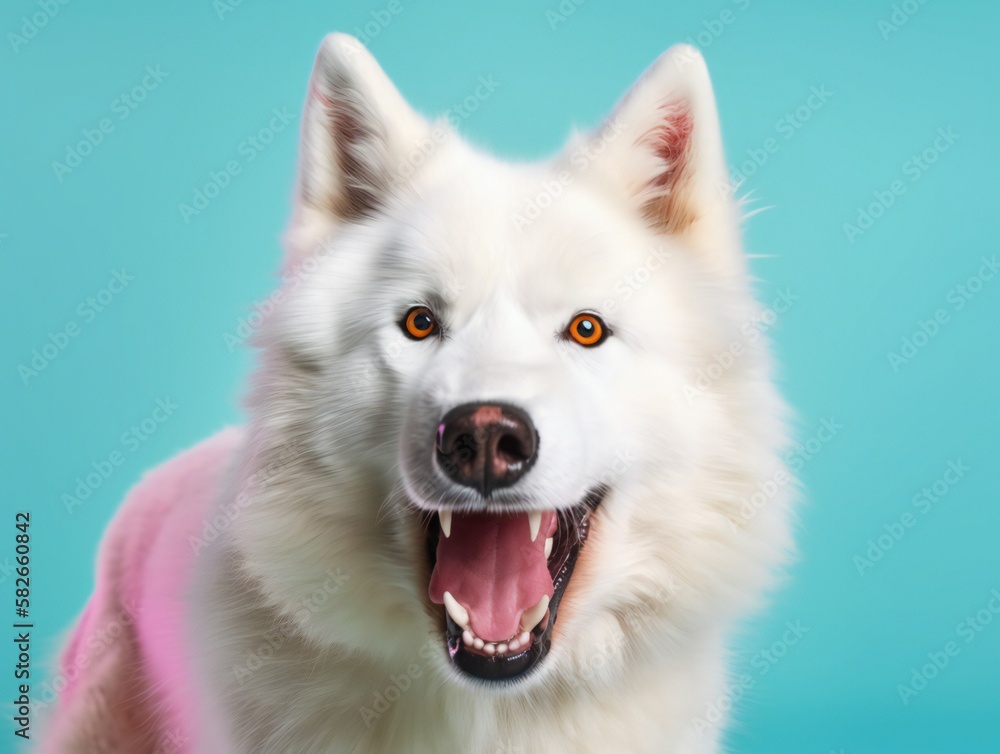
(486, 446)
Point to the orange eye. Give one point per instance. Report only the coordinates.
(587, 329)
(419, 322)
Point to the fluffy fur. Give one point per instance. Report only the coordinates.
(302, 590)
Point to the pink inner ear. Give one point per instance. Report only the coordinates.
(671, 143)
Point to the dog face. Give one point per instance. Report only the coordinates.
(489, 374)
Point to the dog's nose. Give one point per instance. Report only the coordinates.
(486, 446)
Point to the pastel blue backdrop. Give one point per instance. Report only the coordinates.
(867, 130)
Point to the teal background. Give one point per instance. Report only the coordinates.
(162, 337)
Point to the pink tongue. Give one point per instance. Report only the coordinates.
(493, 569)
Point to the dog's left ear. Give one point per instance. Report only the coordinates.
(358, 139)
(661, 148)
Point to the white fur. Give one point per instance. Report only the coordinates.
(337, 452)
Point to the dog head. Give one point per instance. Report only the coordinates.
(487, 383)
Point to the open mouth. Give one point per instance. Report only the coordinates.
(500, 578)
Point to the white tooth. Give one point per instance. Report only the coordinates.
(535, 522)
(514, 645)
(458, 613)
(444, 516)
(478, 643)
(531, 616)
(490, 648)
(548, 546)
(523, 639)
(467, 638)
(501, 649)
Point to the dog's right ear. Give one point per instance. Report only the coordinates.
(661, 150)
(358, 134)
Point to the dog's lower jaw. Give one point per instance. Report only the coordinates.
(408, 700)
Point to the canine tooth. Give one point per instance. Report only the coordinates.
(478, 643)
(444, 516)
(535, 522)
(458, 613)
(531, 616)
(467, 638)
(548, 546)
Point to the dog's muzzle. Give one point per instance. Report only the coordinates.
(499, 571)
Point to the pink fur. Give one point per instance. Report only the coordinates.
(135, 616)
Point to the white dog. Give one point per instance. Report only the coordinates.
(491, 497)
